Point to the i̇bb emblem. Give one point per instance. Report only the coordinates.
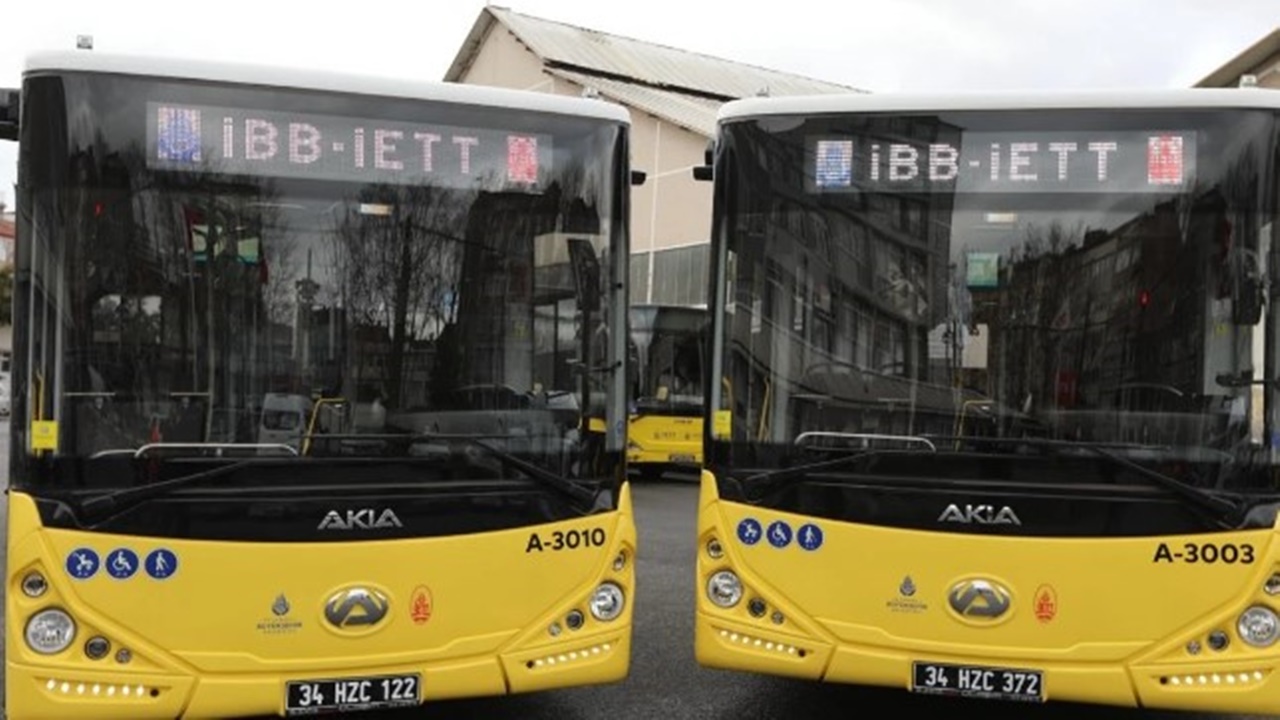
(420, 605)
(1046, 603)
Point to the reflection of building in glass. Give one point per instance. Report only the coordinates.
(1099, 320)
(854, 278)
(864, 273)
(519, 308)
(494, 331)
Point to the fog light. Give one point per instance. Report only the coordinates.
(554, 629)
(756, 607)
(574, 619)
(96, 648)
(1193, 647)
(606, 602)
(1218, 640)
(620, 562)
(714, 549)
(1272, 585)
(777, 617)
(725, 589)
(123, 655)
(34, 585)
(1258, 626)
(50, 631)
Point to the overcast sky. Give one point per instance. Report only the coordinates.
(879, 45)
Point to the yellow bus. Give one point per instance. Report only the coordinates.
(665, 432)
(418, 288)
(1004, 420)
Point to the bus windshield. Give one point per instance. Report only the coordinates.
(404, 290)
(670, 345)
(934, 285)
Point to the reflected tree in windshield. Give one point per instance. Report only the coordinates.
(398, 250)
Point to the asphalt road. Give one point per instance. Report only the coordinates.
(667, 683)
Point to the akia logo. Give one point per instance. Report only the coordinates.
(365, 519)
(979, 515)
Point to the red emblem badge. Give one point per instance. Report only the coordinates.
(420, 605)
(1046, 603)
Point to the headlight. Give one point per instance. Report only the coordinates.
(1258, 626)
(50, 631)
(606, 602)
(725, 589)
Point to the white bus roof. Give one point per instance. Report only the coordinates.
(1182, 98)
(297, 78)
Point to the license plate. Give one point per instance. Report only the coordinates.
(689, 459)
(978, 682)
(312, 697)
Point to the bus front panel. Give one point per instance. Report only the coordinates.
(1003, 416)
(308, 415)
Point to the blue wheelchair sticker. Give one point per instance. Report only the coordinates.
(779, 534)
(122, 563)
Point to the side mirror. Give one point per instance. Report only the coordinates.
(10, 110)
(704, 172)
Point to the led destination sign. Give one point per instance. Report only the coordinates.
(1110, 162)
(326, 147)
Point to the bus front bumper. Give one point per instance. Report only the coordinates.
(1218, 685)
(48, 693)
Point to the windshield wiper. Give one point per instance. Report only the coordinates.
(761, 484)
(100, 507)
(766, 482)
(1221, 510)
(552, 480)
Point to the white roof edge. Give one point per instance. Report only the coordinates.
(93, 61)
(1062, 100)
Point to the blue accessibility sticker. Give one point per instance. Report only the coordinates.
(809, 536)
(161, 564)
(749, 531)
(82, 563)
(779, 534)
(122, 563)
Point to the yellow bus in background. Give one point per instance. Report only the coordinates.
(1004, 418)
(665, 433)
(320, 398)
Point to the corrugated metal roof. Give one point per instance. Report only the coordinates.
(652, 63)
(680, 86)
(690, 112)
(1247, 60)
